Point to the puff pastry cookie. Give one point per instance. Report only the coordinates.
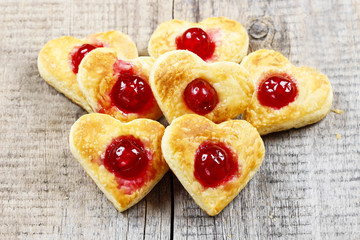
(214, 39)
(59, 59)
(123, 159)
(118, 87)
(286, 96)
(183, 83)
(213, 162)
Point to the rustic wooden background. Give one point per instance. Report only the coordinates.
(307, 188)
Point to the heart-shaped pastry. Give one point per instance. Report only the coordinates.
(214, 39)
(59, 59)
(118, 87)
(183, 83)
(286, 96)
(123, 159)
(213, 162)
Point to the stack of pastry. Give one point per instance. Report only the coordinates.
(199, 77)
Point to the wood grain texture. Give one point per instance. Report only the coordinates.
(307, 188)
(309, 184)
(44, 192)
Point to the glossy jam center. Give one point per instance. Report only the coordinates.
(197, 41)
(131, 93)
(214, 164)
(126, 157)
(78, 55)
(200, 96)
(277, 91)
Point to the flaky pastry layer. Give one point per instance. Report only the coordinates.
(54, 61)
(312, 103)
(174, 70)
(90, 136)
(183, 137)
(96, 79)
(230, 37)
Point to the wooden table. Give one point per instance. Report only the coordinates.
(307, 188)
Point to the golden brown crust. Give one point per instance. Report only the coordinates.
(54, 61)
(230, 37)
(54, 67)
(262, 60)
(96, 79)
(311, 105)
(90, 136)
(121, 43)
(183, 137)
(174, 70)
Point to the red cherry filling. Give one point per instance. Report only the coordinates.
(131, 93)
(79, 54)
(277, 91)
(200, 96)
(126, 157)
(197, 41)
(215, 164)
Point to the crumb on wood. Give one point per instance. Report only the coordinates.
(338, 111)
(338, 136)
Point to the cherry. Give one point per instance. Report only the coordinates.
(277, 91)
(131, 93)
(126, 157)
(78, 55)
(197, 41)
(215, 164)
(200, 96)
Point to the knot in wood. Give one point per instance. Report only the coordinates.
(258, 29)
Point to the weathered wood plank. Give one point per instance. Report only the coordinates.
(308, 186)
(44, 192)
